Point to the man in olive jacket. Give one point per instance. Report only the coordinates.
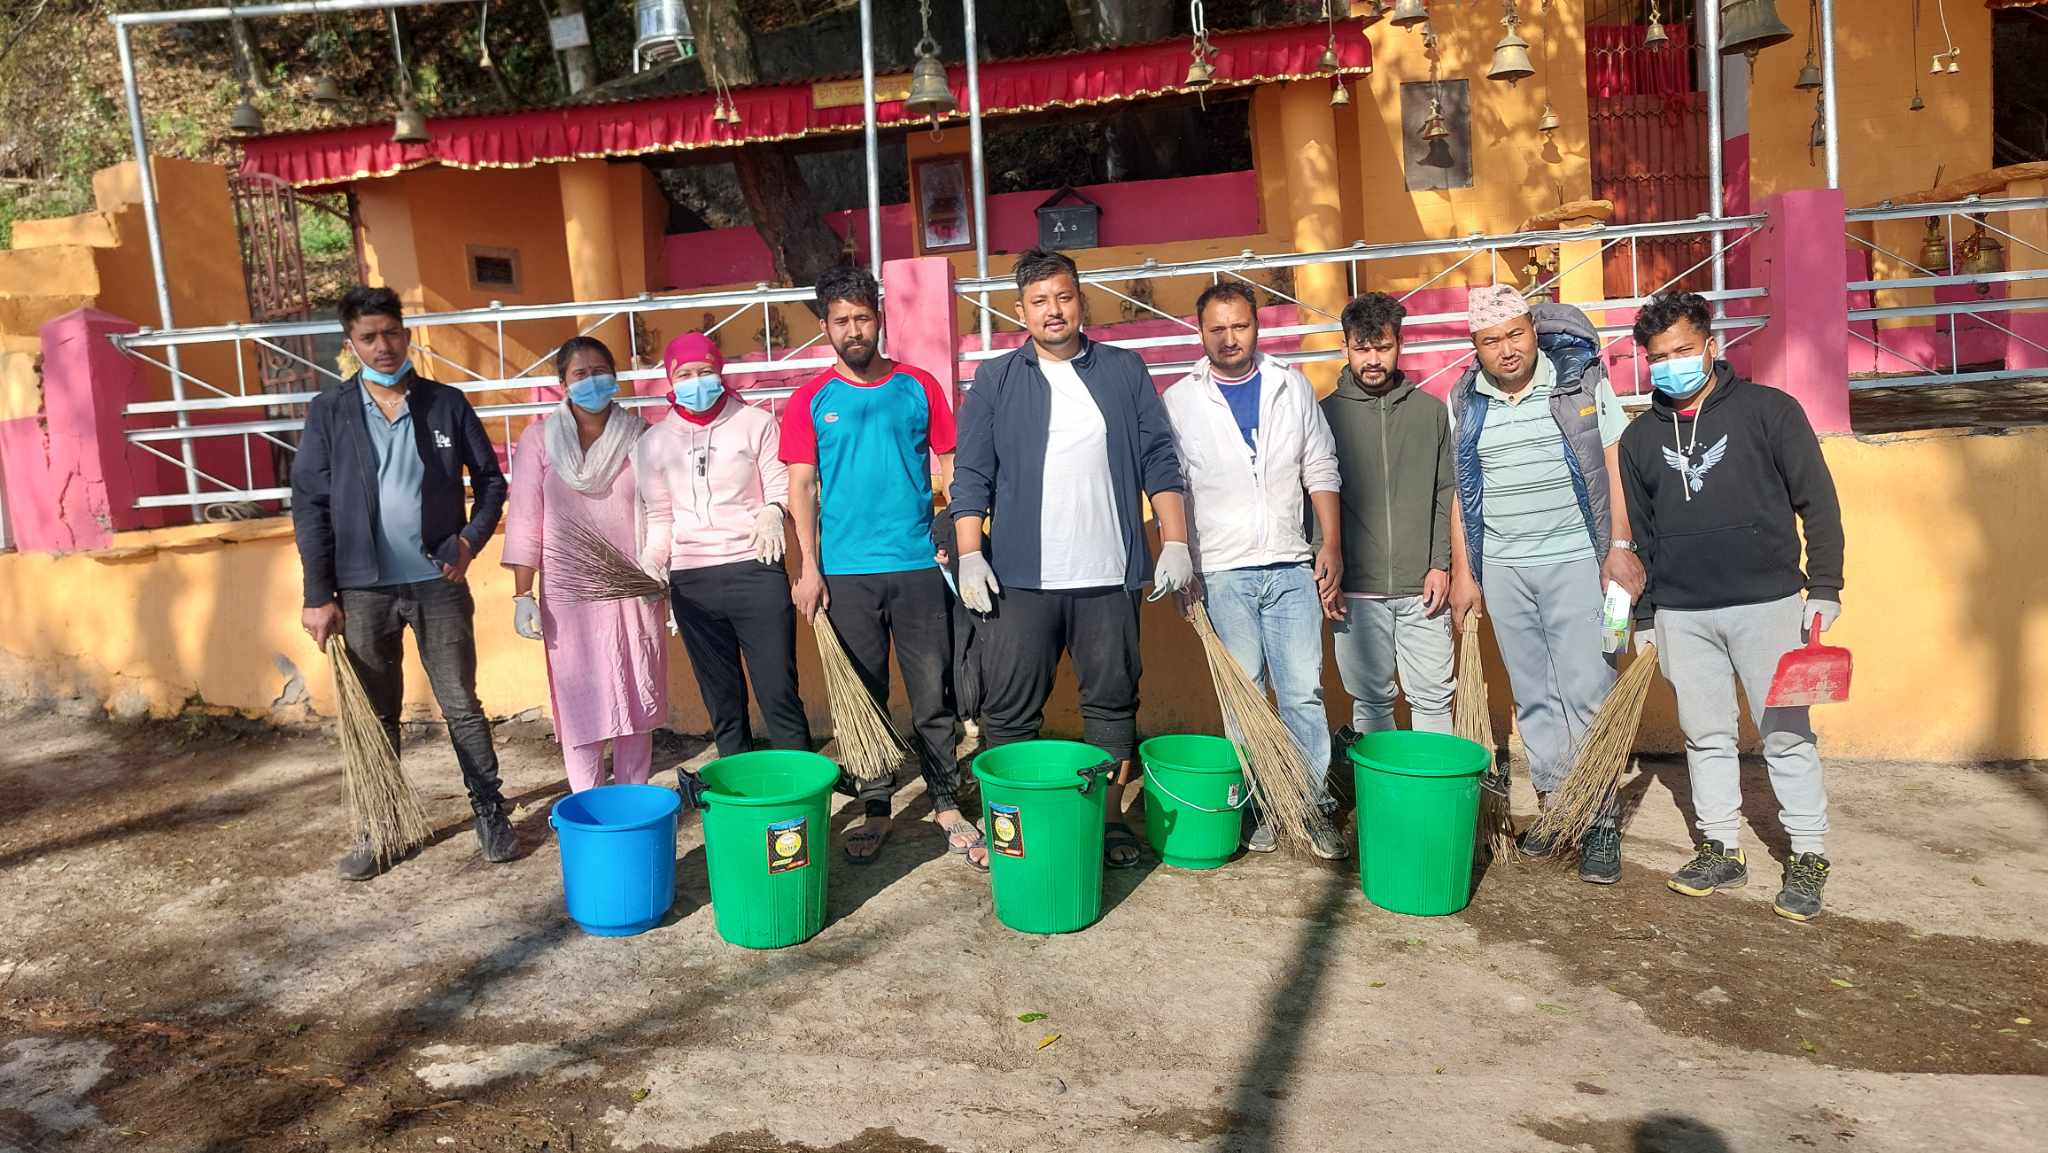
(1394, 452)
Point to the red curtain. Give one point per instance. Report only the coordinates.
(1619, 63)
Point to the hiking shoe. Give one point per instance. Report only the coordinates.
(1600, 856)
(1264, 839)
(1325, 840)
(494, 833)
(1712, 867)
(1534, 845)
(1799, 900)
(360, 863)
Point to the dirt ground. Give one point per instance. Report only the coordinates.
(180, 970)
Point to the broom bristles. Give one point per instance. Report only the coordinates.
(589, 568)
(1472, 720)
(1588, 789)
(381, 802)
(1274, 768)
(869, 747)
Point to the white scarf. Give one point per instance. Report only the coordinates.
(595, 470)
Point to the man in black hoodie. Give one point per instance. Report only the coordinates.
(1716, 475)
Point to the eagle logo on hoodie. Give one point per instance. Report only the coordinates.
(1695, 476)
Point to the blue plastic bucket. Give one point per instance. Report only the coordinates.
(618, 847)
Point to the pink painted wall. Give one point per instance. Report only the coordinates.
(918, 315)
(1134, 212)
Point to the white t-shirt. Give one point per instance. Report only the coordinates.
(1081, 541)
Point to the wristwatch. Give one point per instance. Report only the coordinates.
(1623, 543)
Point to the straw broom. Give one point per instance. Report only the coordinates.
(1273, 767)
(1471, 720)
(869, 748)
(381, 802)
(589, 568)
(1577, 804)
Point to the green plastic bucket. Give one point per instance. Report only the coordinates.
(1194, 799)
(1418, 805)
(1044, 819)
(766, 845)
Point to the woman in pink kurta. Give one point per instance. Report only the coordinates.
(608, 660)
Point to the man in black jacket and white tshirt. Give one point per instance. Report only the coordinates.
(1721, 477)
(386, 536)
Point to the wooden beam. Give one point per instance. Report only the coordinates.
(1587, 211)
(1993, 181)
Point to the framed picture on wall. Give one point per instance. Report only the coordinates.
(945, 207)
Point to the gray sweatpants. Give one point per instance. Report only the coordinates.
(1547, 623)
(1703, 654)
(1378, 636)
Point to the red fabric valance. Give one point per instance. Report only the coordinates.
(784, 112)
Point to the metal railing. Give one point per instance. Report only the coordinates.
(1729, 233)
(1876, 327)
(274, 417)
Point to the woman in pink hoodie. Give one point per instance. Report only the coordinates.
(715, 489)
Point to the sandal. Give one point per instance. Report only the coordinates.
(963, 838)
(1118, 837)
(864, 842)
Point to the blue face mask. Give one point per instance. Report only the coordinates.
(698, 394)
(592, 393)
(387, 379)
(1679, 376)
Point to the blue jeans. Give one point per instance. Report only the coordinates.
(1272, 622)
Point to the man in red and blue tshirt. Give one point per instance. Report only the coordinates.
(859, 441)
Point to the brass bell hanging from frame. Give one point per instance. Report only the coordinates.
(1375, 12)
(1340, 95)
(1983, 255)
(326, 93)
(1548, 122)
(1200, 74)
(245, 120)
(1750, 26)
(1918, 105)
(410, 126)
(1809, 77)
(1409, 13)
(1329, 62)
(930, 95)
(1934, 248)
(1511, 59)
(1434, 128)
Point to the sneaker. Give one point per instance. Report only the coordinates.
(1712, 867)
(1534, 845)
(494, 833)
(1325, 840)
(1799, 900)
(359, 863)
(1264, 839)
(1600, 856)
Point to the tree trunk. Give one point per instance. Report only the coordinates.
(778, 198)
(247, 56)
(580, 63)
(1107, 23)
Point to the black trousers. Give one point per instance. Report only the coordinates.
(1019, 647)
(911, 608)
(442, 617)
(742, 608)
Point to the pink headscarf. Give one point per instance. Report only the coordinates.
(692, 348)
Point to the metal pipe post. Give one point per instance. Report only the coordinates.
(1833, 143)
(1710, 37)
(146, 183)
(867, 99)
(980, 167)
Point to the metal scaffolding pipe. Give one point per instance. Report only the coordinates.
(245, 11)
(1710, 37)
(1833, 142)
(867, 100)
(980, 171)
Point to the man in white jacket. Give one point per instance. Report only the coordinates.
(1252, 439)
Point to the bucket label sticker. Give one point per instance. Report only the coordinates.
(789, 845)
(1233, 796)
(1006, 826)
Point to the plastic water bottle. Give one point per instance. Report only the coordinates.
(1614, 618)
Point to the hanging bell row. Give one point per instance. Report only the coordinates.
(930, 95)
(1750, 26)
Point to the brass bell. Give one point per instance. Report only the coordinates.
(1655, 37)
(1511, 59)
(930, 95)
(245, 120)
(1340, 96)
(1751, 26)
(1918, 105)
(1200, 75)
(1819, 137)
(727, 113)
(410, 127)
(1983, 255)
(1329, 62)
(326, 93)
(1409, 13)
(1549, 122)
(1934, 248)
(1809, 77)
(1374, 12)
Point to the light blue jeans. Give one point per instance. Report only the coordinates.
(1272, 622)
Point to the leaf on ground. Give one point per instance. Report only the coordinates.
(1547, 1007)
(1027, 1018)
(2009, 1032)
(1809, 1047)
(1048, 1039)
(1976, 880)
(60, 866)
(1838, 983)
(1412, 941)
(2022, 1020)
(641, 1094)
(295, 1028)
(1439, 1068)
(1375, 984)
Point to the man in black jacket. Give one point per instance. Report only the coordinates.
(1721, 477)
(385, 539)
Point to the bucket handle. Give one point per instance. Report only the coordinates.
(1246, 799)
(1093, 773)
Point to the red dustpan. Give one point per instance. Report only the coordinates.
(1814, 674)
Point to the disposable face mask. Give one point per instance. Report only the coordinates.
(592, 393)
(700, 393)
(1680, 376)
(386, 379)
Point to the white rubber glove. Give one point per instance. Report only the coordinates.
(1828, 611)
(526, 617)
(766, 536)
(654, 561)
(1644, 639)
(1175, 570)
(978, 587)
